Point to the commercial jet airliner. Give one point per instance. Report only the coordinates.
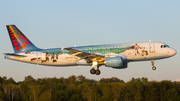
(116, 56)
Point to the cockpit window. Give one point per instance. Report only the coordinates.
(164, 46)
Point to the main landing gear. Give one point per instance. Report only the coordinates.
(93, 71)
(153, 67)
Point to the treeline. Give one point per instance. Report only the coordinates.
(82, 89)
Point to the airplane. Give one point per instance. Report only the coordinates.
(116, 56)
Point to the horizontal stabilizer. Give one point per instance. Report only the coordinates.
(12, 54)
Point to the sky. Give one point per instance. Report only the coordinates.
(56, 23)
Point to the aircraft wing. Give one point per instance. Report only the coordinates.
(89, 57)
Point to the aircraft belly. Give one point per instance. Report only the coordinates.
(62, 61)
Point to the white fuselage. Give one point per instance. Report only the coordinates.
(145, 51)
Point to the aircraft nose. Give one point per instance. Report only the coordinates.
(173, 52)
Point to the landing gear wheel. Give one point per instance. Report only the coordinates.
(152, 62)
(98, 72)
(92, 71)
(153, 68)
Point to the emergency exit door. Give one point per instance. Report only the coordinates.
(151, 47)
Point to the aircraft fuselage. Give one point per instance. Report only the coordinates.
(62, 57)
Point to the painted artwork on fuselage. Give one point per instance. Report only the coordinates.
(53, 55)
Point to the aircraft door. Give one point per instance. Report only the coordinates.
(151, 47)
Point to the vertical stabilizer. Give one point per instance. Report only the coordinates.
(19, 41)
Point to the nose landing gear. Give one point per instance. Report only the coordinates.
(153, 67)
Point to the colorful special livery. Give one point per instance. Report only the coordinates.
(116, 56)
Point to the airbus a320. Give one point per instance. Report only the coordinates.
(116, 56)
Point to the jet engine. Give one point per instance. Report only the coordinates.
(115, 62)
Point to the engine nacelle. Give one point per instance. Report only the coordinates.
(115, 62)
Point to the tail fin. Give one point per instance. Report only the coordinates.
(19, 41)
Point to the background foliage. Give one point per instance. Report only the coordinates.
(82, 89)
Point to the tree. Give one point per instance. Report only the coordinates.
(164, 86)
(14, 90)
(72, 79)
(35, 91)
(46, 95)
(87, 93)
(152, 92)
(172, 95)
(2, 98)
(7, 90)
(106, 92)
(116, 91)
(81, 78)
(59, 95)
(76, 97)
